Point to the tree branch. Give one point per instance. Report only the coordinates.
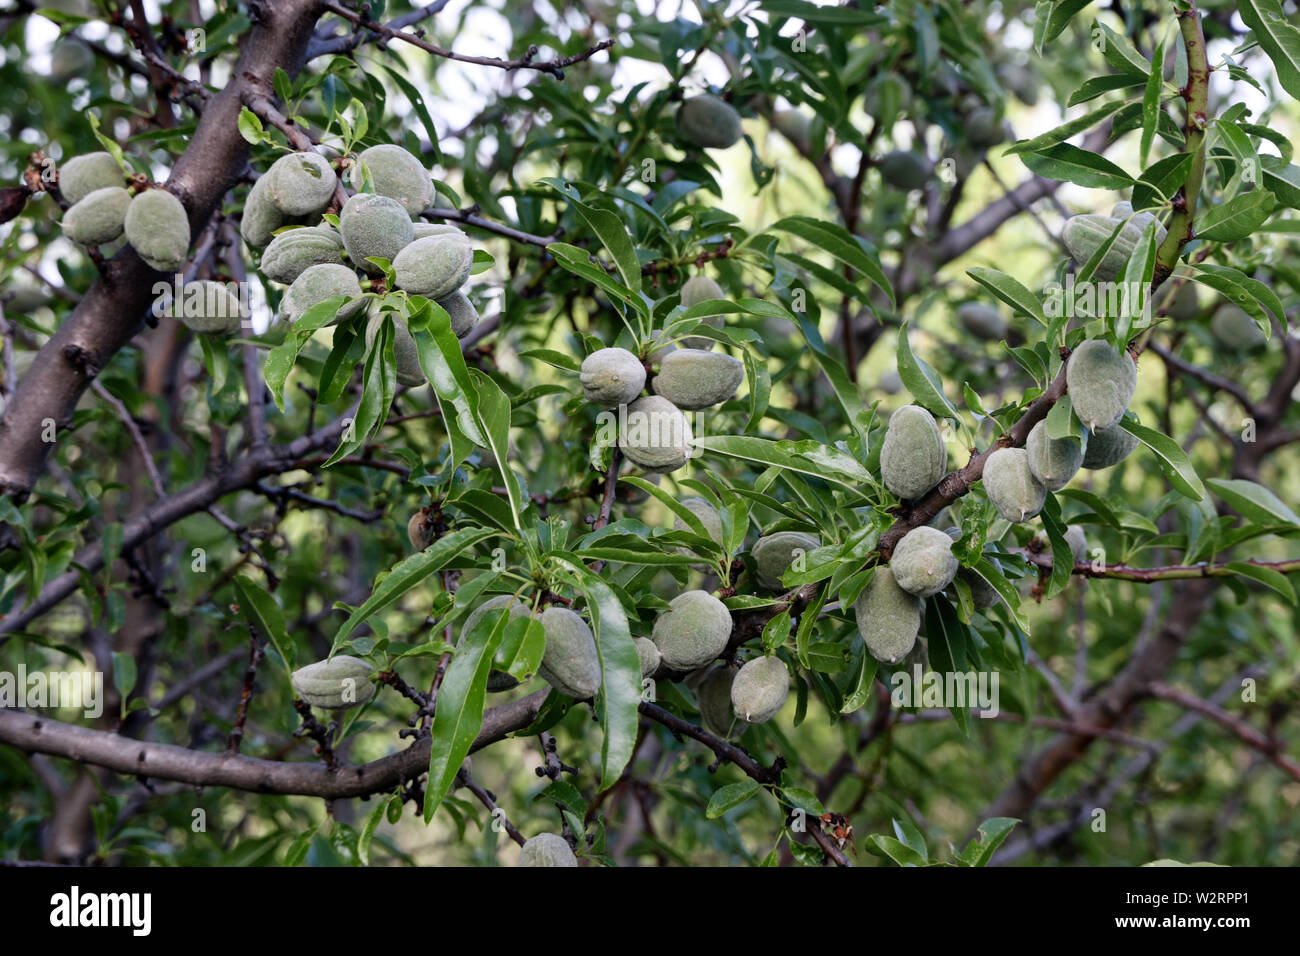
(1241, 730)
(112, 311)
(167, 511)
(959, 483)
(1196, 93)
(323, 45)
(100, 748)
(554, 67)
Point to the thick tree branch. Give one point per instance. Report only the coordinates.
(100, 748)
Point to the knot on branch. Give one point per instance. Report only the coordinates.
(82, 359)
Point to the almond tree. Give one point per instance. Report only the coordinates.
(275, 530)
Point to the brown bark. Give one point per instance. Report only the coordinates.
(113, 310)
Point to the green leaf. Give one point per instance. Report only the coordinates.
(1120, 52)
(1253, 501)
(614, 236)
(1269, 577)
(1063, 132)
(1096, 86)
(921, 380)
(1010, 291)
(1005, 589)
(261, 611)
(949, 639)
(828, 14)
(1062, 558)
(250, 127)
(670, 502)
(111, 145)
(347, 351)
(459, 715)
(1278, 37)
(409, 572)
(443, 363)
(638, 556)
(1282, 180)
(124, 674)
(1238, 143)
(830, 459)
(281, 359)
(1244, 291)
(378, 385)
(807, 625)
(1172, 458)
(896, 850)
(1138, 272)
(766, 452)
(416, 100)
(992, 832)
(578, 261)
(1063, 11)
(839, 243)
(1161, 180)
(863, 683)
(492, 415)
(559, 359)
(1077, 165)
(1151, 102)
(620, 669)
(730, 797)
(1237, 218)
(521, 648)
(801, 799)
(372, 823)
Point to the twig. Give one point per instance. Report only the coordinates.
(1205, 376)
(607, 499)
(256, 648)
(553, 67)
(488, 799)
(1240, 729)
(828, 845)
(550, 753)
(470, 218)
(323, 503)
(729, 752)
(313, 728)
(136, 437)
(322, 45)
(1166, 572)
(959, 483)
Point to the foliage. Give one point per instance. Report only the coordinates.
(216, 512)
